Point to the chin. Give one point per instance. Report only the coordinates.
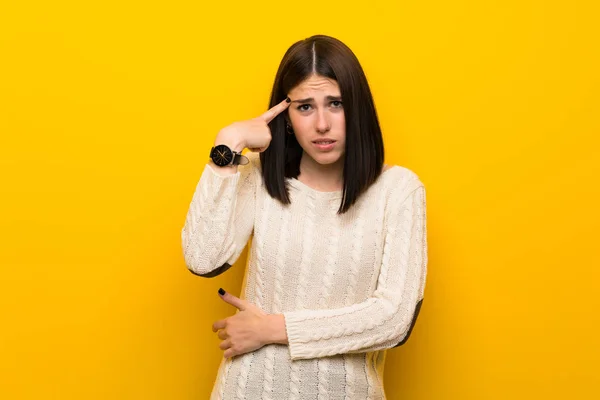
(326, 158)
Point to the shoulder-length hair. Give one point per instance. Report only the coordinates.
(364, 152)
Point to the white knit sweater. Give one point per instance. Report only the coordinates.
(349, 286)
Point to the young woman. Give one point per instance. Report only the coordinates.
(338, 261)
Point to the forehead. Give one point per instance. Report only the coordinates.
(316, 84)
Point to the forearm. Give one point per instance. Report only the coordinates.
(220, 218)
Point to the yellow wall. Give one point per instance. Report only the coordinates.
(107, 114)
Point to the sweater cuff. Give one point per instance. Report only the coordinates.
(297, 345)
(215, 173)
(214, 185)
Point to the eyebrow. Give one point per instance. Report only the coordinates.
(311, 99)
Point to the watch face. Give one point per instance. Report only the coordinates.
(221, 155)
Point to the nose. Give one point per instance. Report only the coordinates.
(322, 123)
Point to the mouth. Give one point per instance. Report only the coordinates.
(324, 144)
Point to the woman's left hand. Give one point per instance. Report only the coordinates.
(249, 329)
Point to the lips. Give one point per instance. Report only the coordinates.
(324, 145)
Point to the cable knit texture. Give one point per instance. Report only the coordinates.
(347, 285)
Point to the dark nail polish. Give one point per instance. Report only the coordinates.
(288, 100)
(221, 292)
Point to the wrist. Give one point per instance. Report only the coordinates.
(231, 140)
(274, 329)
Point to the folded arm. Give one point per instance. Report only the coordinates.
(386, 318)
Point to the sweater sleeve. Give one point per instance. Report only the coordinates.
(220, 219)
(386, 318)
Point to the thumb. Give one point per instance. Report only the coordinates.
(231, 299)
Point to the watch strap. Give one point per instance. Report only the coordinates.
(239, 159)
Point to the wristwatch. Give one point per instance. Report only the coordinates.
(223, 156)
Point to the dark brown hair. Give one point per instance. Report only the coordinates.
(364, 154)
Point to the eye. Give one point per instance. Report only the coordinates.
(336, 103)
(301, 107)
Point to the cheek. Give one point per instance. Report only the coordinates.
(338, 125)
(302, 125)
(340, 121)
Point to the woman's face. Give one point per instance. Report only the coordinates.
(317, 115)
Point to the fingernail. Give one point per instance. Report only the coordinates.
(221, 292)
(288, 100)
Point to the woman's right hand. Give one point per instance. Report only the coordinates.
(253, 133)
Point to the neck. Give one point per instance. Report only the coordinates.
(326, 178)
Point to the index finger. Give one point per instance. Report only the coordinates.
(234, 301)
(275, 111)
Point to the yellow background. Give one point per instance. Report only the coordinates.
(107, 114)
